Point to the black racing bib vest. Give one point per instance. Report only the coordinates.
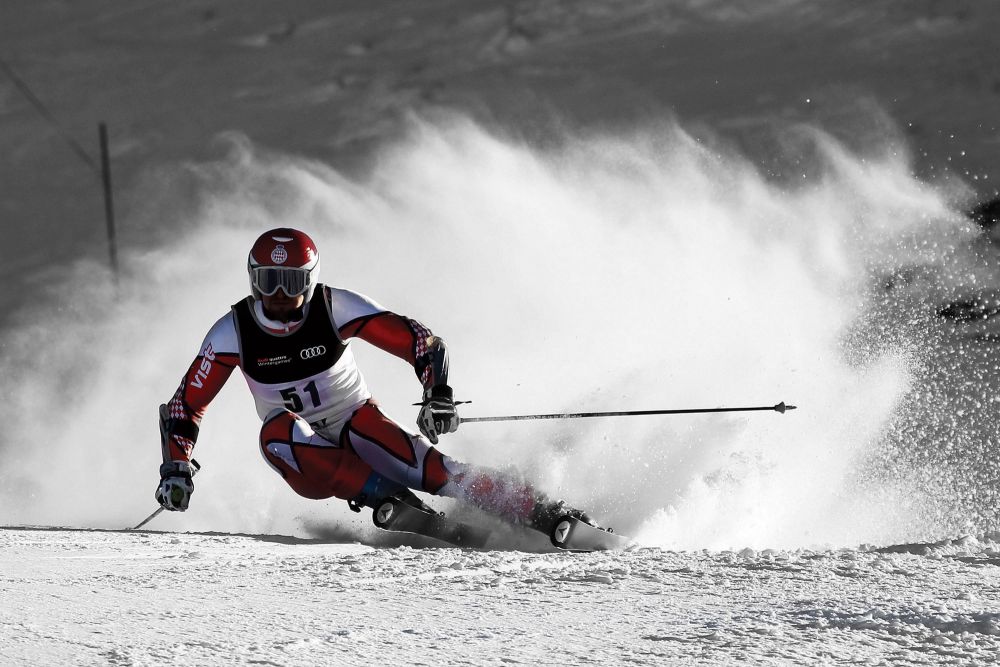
(283, 358)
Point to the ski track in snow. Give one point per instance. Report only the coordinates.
(138, 598)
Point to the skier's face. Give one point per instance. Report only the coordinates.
(281, 307)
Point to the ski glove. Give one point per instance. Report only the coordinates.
(176, 487)
(437, 413)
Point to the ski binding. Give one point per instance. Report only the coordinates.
(396, 515)
(571, 534)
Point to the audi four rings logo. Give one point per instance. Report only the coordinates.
(311, 352)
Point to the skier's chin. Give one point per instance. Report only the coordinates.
(284, 313)
(283, 310)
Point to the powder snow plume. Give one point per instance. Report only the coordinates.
(624, 271)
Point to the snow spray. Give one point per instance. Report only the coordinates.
(616, 272)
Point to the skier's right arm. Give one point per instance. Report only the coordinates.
(207, 374)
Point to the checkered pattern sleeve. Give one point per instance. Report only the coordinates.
(425, 343)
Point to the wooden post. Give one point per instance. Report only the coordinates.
(109, 206)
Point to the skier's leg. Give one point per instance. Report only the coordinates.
(411, 460)
(313, 466)
(506, 495)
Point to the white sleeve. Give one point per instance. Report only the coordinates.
(222, 336)
(347, 306)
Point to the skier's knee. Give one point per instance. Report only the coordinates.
(283, 425)
(280, 413)
(314, 467)
(277, 422)
(274, 413)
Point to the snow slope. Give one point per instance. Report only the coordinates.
(120, 598)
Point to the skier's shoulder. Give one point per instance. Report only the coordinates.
(347, 305)
(223, 336)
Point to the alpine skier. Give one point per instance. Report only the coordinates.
(322, 430)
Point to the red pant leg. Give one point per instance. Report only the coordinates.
(313, 466)
(393, 452)
(411, 460)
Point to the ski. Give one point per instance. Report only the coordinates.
(395, 515)
(571, 534)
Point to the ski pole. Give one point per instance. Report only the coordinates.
(780, 407)
(195, 467)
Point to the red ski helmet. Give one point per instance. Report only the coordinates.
(283, 258)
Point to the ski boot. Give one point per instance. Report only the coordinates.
(571, 529)
(378, 489)
(405, 512)
(548, 515)
(407, 497)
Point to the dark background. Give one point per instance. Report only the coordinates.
(331, 80)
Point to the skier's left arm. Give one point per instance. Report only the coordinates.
(409, 340)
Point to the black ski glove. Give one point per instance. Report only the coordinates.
(438, 414)
(176, 486)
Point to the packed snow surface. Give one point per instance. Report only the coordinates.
(123, 598)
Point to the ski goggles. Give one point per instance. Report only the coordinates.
(293, 282)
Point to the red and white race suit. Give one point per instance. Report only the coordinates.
(322, 431)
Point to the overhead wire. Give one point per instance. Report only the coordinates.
(40, 107)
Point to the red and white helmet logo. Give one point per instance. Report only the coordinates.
(278, 255)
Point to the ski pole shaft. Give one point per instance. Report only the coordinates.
(148, 518)
(780, 407)
(195, 467)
